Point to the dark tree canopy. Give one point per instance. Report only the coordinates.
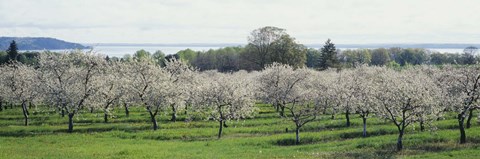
(380, 57)
(328, 58)
(313, 58)
(12, 51)
(468, 56)
(472, 50)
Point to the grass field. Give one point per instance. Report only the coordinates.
(262, 137)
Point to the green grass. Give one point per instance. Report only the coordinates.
(264, 136)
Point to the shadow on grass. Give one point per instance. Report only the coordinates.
(335, 137)
(352, 135)
(29, 133)
(291, 141)
(386, 154)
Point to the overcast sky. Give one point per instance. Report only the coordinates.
(231, 21)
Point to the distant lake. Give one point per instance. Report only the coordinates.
(120, 51)
(440, 50)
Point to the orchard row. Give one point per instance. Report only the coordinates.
(72, 82)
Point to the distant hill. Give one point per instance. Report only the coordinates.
(39, 43)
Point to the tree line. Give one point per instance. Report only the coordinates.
(269, 44)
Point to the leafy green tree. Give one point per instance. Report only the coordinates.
(393, 65)
(364, 56)
(354, 58)
(3, 57)
(141, 55)
(187, 55)
(313, 58)
(228, 59)
(380, 57)
(159, 58)
(348, 57)
(439, 59)
(412, 56)
(271, 44)
(260, 46)
(223, 59)
(127, 58)
(21, 58)
(287, 51)
(12, 51)
(328, 58)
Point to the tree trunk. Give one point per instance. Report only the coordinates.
(1, 105)
(26, 109)
(463, 137)
(70, 122)
(186, 108)
(364, 127)
(25, 112)
(105, 113)
(63, 112)
(154, 121)
(422, 126)
(297, 135)
(105, 117)
(399, 141)
(220, 130)
(470, 114)
(127, 112)
(92, 109)
(334, 112)
(11, 105)
(347, 116)
(174, 114)
(282, 111)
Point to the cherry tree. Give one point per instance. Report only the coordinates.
(129, 96)
(181, 79)
(363, 84)
(301, 92)
(462, 87)
(21, 81)
(405, 96)
(345, 89)
(3, 87)
(224, 97)
(327, 90)
(275, 84)
(112, 86)
(69, 80)
(149, 84)
(303, 107)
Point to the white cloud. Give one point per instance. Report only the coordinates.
(230, 21)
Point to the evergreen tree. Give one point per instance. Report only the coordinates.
(328, 57)
(12, 51)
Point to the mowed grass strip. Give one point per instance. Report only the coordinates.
(265, 136)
